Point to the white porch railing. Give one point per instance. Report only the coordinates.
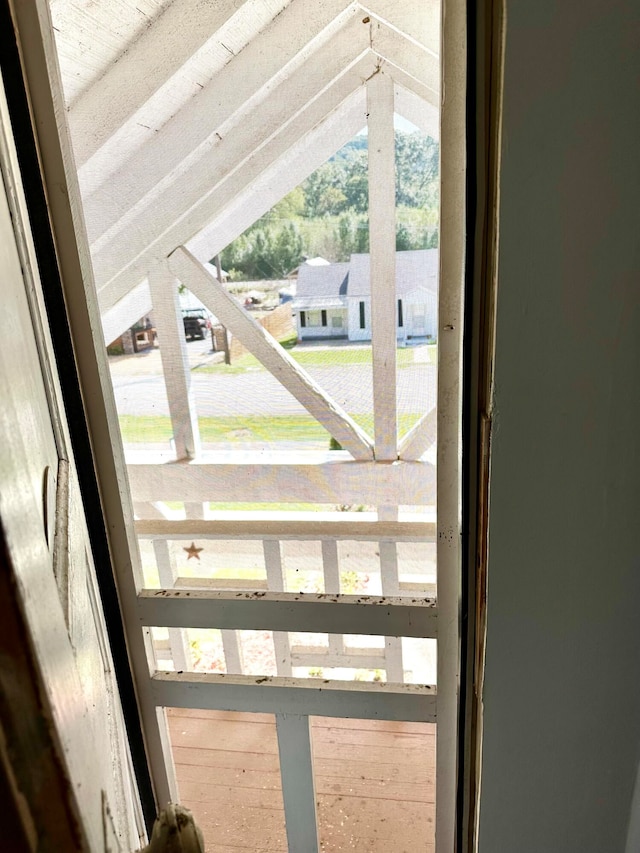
(409, 604)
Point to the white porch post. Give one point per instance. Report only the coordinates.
(382, 250)
(175, 361)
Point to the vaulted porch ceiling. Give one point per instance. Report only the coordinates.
(189, 120)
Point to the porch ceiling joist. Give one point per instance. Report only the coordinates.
(183, 29)
(117, 279)
(226, 110)
(185, 45)
(160, 178)
(180, 191)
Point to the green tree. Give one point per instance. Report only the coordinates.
(417, 170)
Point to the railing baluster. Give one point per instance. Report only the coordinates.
(331, 571)
(275, 583)
(230, 639)
(167, 572)
(391, 586)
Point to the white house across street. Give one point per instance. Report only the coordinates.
(334, 300)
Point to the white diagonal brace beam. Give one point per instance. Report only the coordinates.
(401, 78)
(299, 150)
(179, 32)
(126, 312)
(420, 437)
(175, 362)
(382, 240)
(276, 360)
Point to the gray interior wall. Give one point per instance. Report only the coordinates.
(562, 690)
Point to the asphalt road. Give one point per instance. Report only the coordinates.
(259, 393)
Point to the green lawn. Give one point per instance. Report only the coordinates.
(237, 430)
(315, 357)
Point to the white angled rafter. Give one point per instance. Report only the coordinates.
(382, 241)
(302, 29)
(175, 202)
(137, 220)
(416, 20)
(416, 61)
(276, 360)
(123, 262)
(305, 145)
(420, 437)
(148, 65)
(245, 197)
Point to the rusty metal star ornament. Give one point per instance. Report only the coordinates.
(192, 551)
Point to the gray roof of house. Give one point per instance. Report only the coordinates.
(323, 286)
(414, 269)
(322, 281)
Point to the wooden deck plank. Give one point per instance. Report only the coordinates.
(375, 819)
(226, 735)
(375, 782)
(240, 777)
(373, 771)
(316, 722)
(240, 826)
(382, 755)
(228, 795)
(219, 758)
(361, 787)
(239, 716)
(377, 739)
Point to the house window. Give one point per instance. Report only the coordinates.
(363, 324)
(400, 319)
(336, 321)
(323, 315)
(303, 319)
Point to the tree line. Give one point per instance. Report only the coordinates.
(327, 214)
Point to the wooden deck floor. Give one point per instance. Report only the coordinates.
(374, 782)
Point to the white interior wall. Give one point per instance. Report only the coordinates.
(562, 689)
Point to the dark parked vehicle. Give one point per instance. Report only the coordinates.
(196, 323)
